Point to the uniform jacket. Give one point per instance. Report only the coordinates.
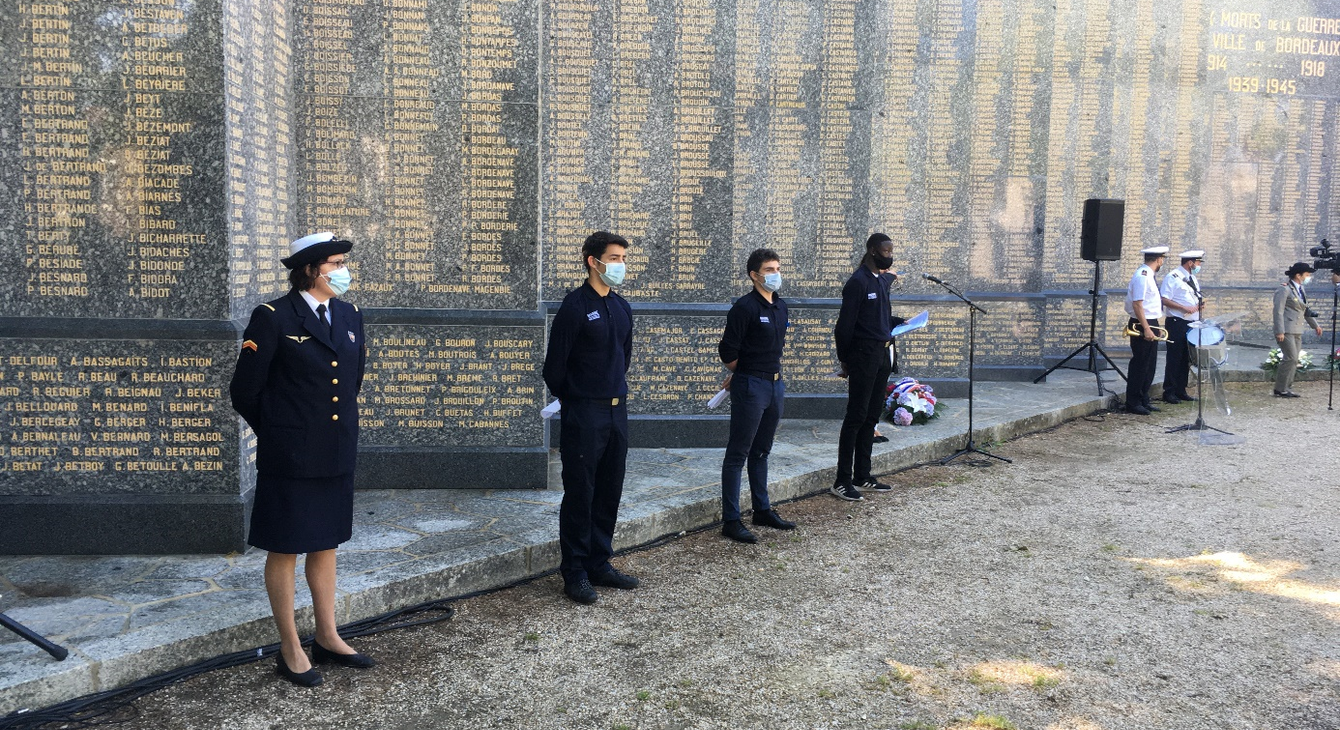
(590, 346)
(297, 387)
(1290, 312)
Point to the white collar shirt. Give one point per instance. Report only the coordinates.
(1180, 287)
(313, 302)
(1144, 289)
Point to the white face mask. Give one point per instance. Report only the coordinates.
(1307, 280)
(613, 273)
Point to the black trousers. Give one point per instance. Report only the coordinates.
(867, 385)
(593, 447)
(1177, 369)
(1144, 360)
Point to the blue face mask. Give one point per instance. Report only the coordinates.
(772, 282)
(613, 273)
(1195, 270)
(339, 280)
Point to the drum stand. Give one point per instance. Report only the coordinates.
(59, 652)
(1200, 424)
(1092, 345)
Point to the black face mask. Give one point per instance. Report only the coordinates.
(880, 261)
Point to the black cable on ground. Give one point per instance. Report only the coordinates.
(100, 708)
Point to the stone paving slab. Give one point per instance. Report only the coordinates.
(128, 617)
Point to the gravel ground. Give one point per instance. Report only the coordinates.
(1113, 577)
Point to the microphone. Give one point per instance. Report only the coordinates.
(928, 277)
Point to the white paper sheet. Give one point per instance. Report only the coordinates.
(915, 323)
(718, 399)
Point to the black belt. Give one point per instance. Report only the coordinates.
(602, 401)
(760, 374)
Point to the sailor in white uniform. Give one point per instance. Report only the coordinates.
(1145, 307)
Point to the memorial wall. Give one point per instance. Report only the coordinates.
(156, 156)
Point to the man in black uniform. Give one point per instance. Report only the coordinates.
(864, 330)
(751, 348)
(590, 349)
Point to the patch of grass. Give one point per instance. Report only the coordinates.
(672, 705)
(643, 695)
(826, 693)
(623, 727)
(532, 636)
(1042, 683)
(983, 720)
(686, 683)
(1110, 661)
(1110, 548)
(985, 684)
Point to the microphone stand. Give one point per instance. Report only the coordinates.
(973, 309)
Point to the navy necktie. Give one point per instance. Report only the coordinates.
(321, 315)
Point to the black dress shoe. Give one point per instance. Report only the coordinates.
(614, 579)
(770, 518)
(1287, 394)
(735, 530)
(321, 655)
(1171, 400)
(309, 678)
(1187, 398)
(1152, 408)
(1137, 410)
(580, 591)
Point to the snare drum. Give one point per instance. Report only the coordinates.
(1204, 334)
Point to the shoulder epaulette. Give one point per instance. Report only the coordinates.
(267, 306)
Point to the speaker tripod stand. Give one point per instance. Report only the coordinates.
(1092, 347)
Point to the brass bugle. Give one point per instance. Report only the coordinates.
(1160, 333)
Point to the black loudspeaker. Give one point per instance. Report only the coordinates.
(1100, 234)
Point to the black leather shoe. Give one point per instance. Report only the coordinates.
(1152, 408)
(615, 579)
(1187, 398)
(1137, 410)
(1287, 394)
(770, 518)
(321, 655)
(735, 530)
(1171, 400)
(309, 678)
(580, 591)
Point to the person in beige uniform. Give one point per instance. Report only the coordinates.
(1291, 312)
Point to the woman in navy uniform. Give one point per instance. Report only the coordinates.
(296, 384)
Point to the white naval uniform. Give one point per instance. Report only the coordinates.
(1143, 288)
(1180, 287)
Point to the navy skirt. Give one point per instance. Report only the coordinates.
(302, 515)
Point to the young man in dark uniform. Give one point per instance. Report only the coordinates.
(751, 348)
(590, 349)
(864, 331)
